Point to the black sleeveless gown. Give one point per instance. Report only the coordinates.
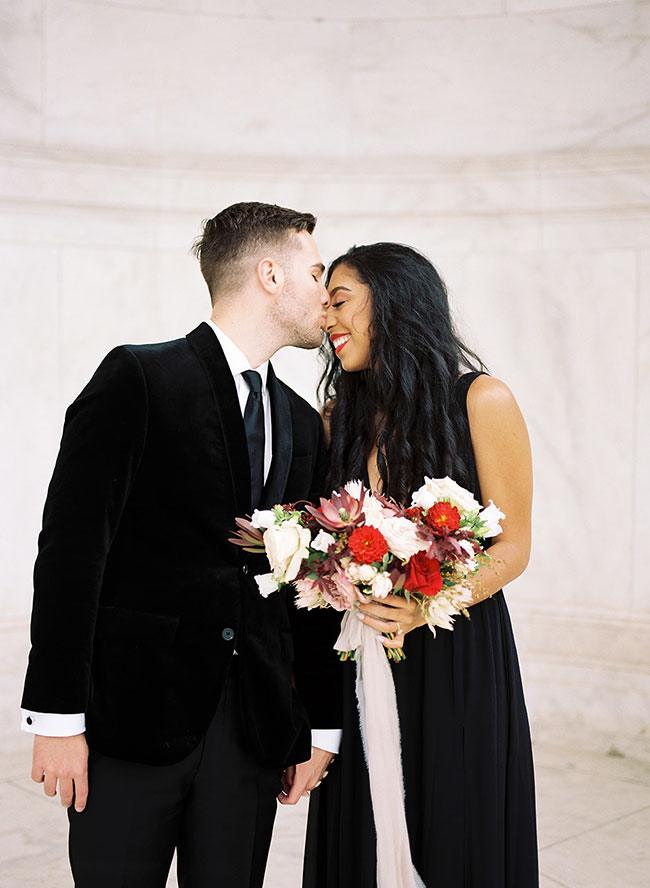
(466, 758)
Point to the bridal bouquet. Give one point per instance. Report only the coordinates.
(358, 544)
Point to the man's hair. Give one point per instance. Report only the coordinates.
(239, 233)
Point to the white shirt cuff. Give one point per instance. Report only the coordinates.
(328, 739)
(52, 724)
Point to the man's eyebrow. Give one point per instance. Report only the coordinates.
(336, 289)
(319, 266)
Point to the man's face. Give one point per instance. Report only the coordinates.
(302, 304)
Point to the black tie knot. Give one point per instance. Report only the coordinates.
(254, 381)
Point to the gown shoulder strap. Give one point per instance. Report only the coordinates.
(463, 383)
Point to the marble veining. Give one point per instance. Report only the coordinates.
(507, 140)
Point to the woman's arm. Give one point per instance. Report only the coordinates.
(503, 461)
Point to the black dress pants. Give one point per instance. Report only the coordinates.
(216, 807)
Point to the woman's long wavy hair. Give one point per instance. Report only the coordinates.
(405, 401)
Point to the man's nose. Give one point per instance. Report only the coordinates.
(329, 320)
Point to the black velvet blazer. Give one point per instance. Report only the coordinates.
(139, 598)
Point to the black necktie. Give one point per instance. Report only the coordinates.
(254, 422)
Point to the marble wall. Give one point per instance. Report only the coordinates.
(507, 139)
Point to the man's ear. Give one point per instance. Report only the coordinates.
(270, 275)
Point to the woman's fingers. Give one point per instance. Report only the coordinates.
(389, 614)
(398, 601)
(379, 625)
(396, 626)
(381, 611)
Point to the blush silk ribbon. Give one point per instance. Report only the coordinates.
(379, 722)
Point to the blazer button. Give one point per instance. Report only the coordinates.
(227, 634)
(29, 720)
(245, 570)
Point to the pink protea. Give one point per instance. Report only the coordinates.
(309, 592)
(342, 512)
(338, 593)
(250, 538)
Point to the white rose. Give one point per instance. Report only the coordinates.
(361, 573)
(435, 489)
(367, 573)
(491, 515)
(322, 541)
(427, 495)
(286, 546)
(374, 511)
(263, 519)
(458, 496)
(266, 584)
(381, 585)
(401, 536)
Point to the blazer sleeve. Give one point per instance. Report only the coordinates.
(103, 440)
(318, 673)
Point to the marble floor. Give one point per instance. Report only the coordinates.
(593, 806)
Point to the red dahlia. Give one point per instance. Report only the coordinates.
(367, 544)
(443, 517)
(414, 513)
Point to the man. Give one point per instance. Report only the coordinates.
(151, 644)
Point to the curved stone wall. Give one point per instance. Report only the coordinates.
(509, 141)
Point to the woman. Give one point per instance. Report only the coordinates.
(401, 405)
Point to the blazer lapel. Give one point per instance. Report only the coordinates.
(282, 443)
(209, 351)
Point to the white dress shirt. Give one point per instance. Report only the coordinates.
(54, 724)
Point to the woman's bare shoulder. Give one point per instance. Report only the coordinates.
(488, 394)
(494, 415)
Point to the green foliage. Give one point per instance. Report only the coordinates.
(282, 515)
(315, 558)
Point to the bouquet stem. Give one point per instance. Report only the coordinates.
(394, 654)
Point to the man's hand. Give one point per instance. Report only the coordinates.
(62, 759)
(299, 780)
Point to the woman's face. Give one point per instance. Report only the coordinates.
(348, 319)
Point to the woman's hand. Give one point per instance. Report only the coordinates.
(392, 614)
